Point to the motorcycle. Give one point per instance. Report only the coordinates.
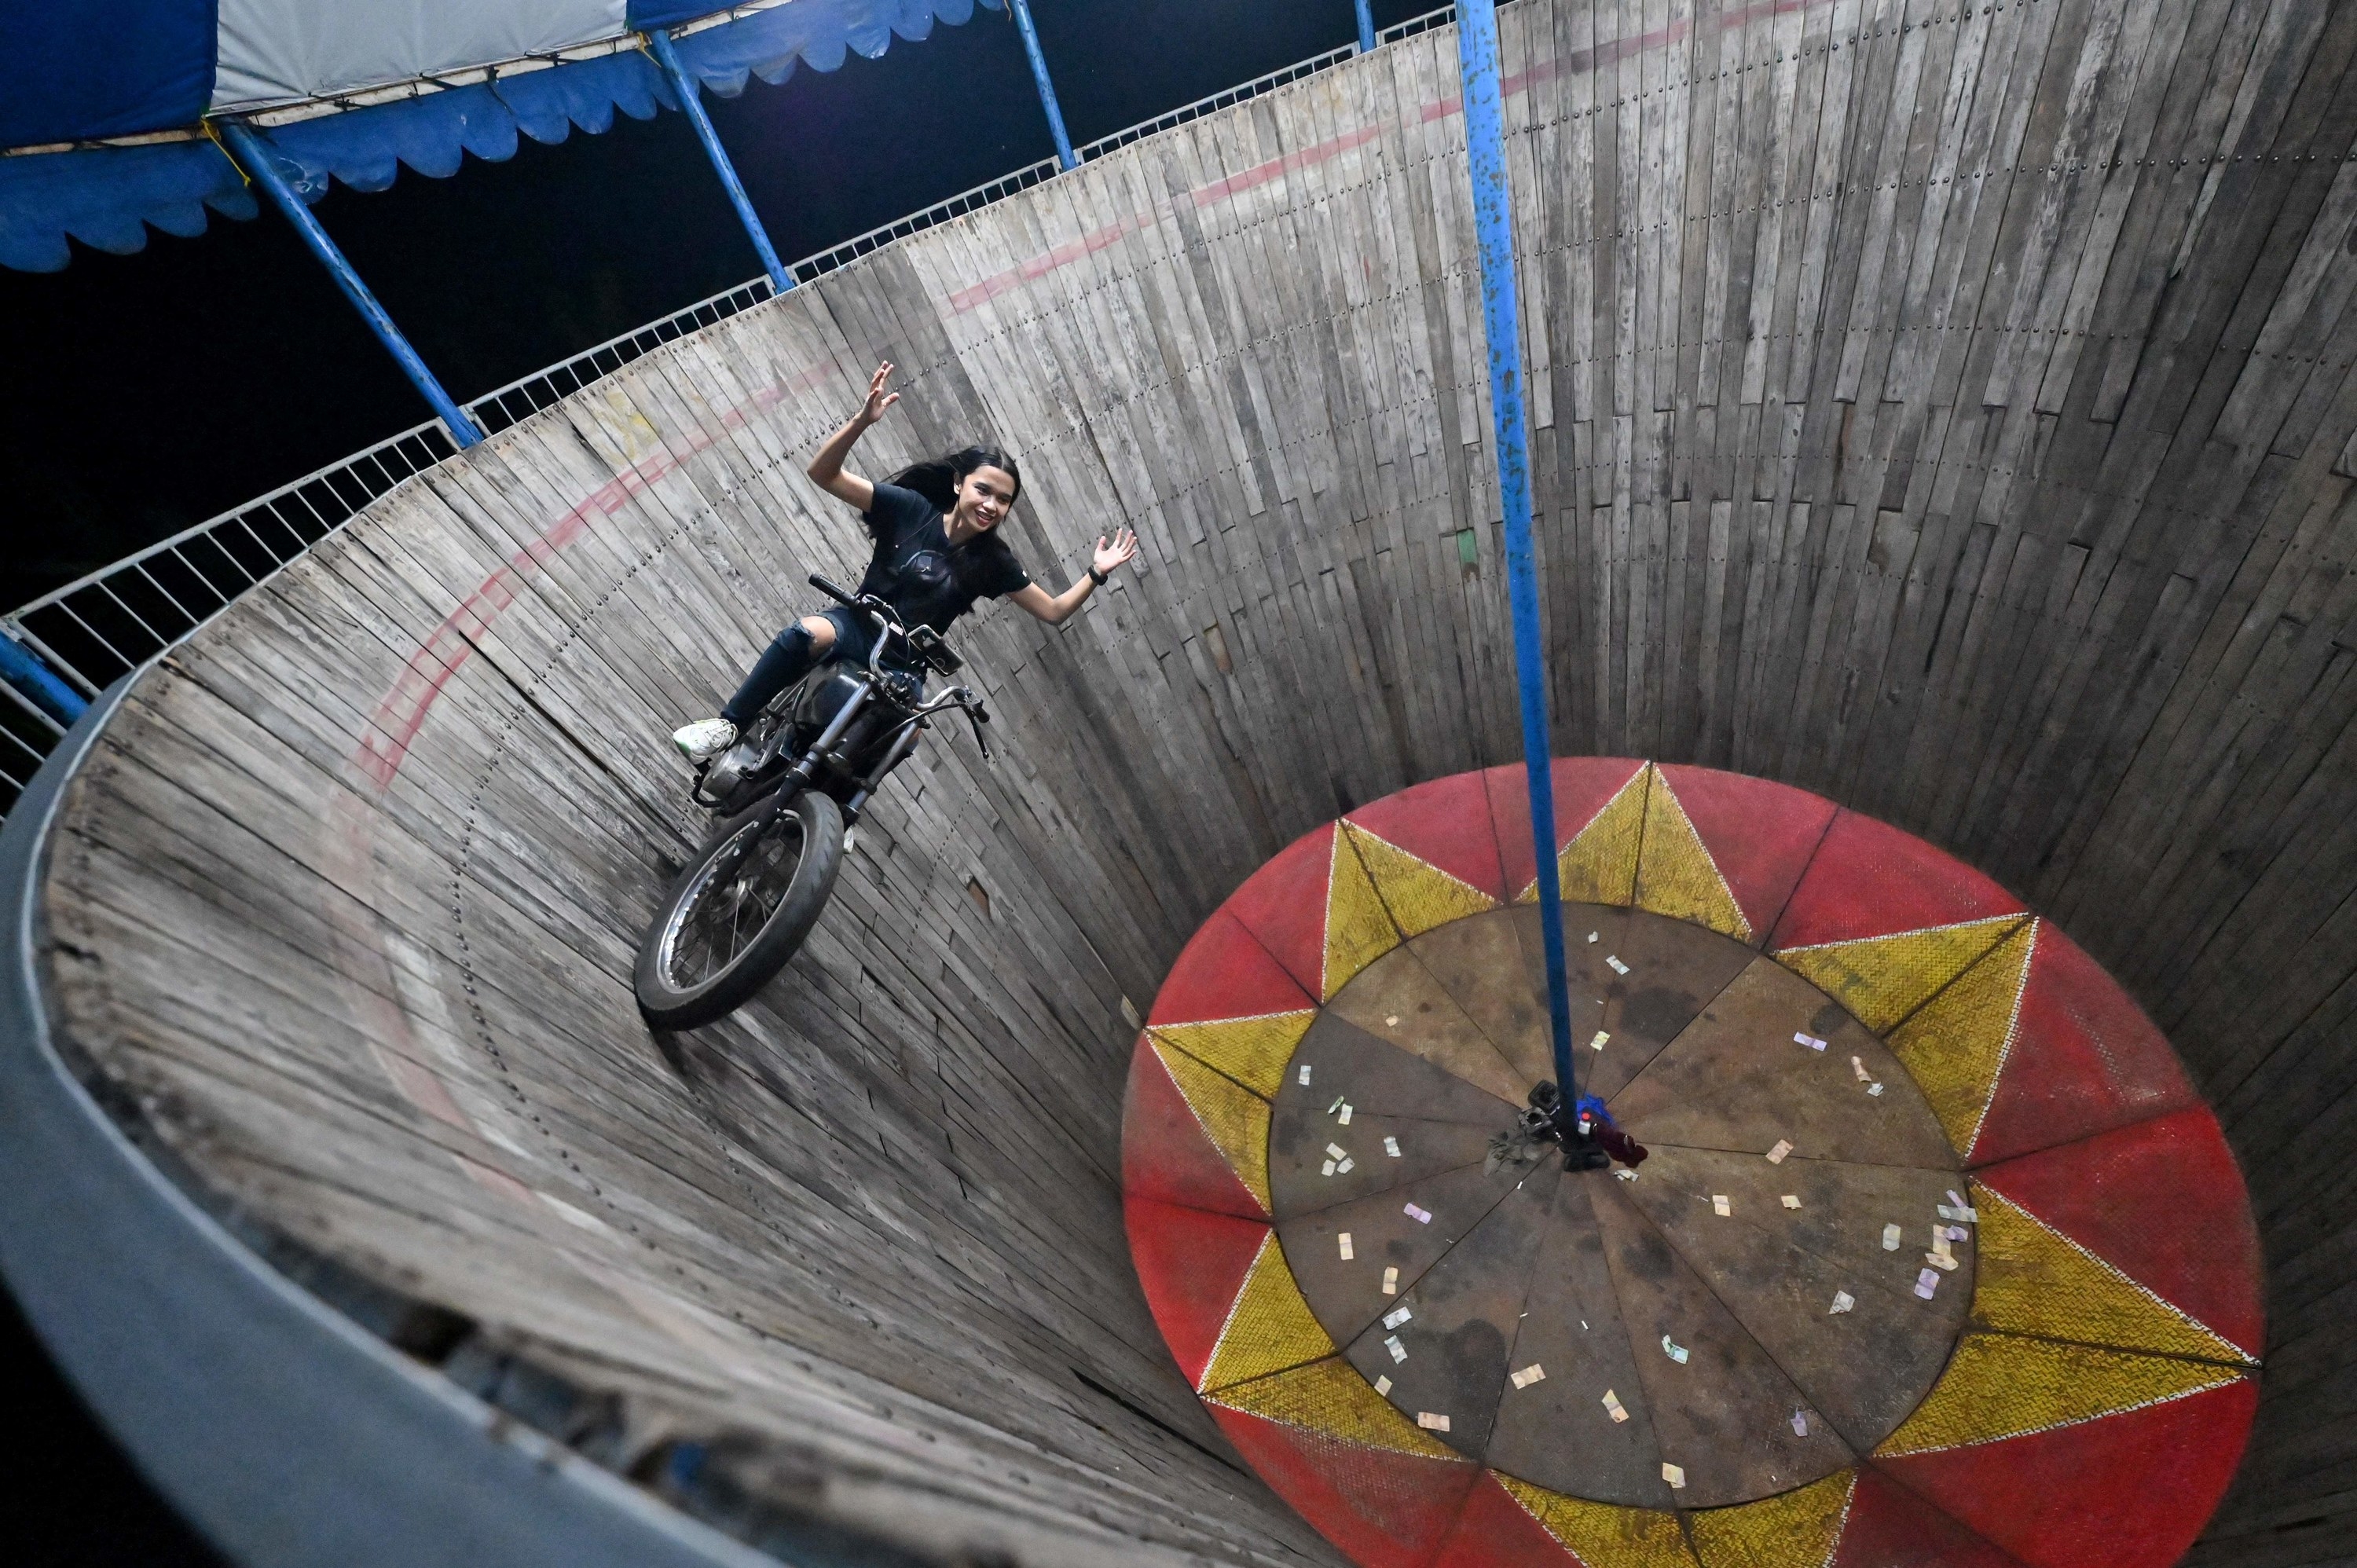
(787, 794)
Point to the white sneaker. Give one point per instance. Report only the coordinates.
(705, 739)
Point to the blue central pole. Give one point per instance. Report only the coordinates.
(692, 102)
(1485, 146)
(262, 169)
(1022, 9)
(1366, 28)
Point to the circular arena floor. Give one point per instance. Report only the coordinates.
(1937, 1257)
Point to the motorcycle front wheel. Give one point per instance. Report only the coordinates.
(739, 911)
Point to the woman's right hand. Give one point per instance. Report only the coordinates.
(878, 400)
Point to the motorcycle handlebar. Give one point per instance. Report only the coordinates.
(836, 591)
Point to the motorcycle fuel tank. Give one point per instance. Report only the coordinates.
(823, 697)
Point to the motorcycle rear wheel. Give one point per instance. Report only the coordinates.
(740, 911)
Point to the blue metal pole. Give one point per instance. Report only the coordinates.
(1366, 28)
(1485, 140)
(1022, 9)
(263, 171)
(691, 101)
(23, 669)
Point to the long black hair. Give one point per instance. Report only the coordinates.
(939, 480)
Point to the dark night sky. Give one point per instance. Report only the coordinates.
(148, 392)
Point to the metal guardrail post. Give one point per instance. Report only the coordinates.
(255, 157)
(1366, 28)
(24, 669)
(1477, 54)
(692, 102)
(1064, 154)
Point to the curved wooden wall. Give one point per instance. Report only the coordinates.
(1945, 407)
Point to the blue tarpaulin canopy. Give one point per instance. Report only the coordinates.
(351, 91)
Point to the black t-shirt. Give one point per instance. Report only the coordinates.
(918, 572)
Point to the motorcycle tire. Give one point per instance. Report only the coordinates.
(740, 911)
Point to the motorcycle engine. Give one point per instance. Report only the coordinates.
(731, 769)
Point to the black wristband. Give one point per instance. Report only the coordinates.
(1099, 579)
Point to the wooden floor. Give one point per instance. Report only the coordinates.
(1944, 407)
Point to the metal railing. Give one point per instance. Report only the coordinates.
(1444, 17)
(520, 400)
(93, 631)
(820, 263)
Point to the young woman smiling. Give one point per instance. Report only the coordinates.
(935, 527)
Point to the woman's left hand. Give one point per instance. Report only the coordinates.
(1119, 552)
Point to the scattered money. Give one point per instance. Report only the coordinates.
(1342, 1165)
(1800, 1423)
(1534, 1373)
(1810, 1041)
(1304, 1074)
(1336, 1106)
(1421, 1216)
(1942, 1261)
(1791, 1201)
(1842, 1302)
(1430, 1421)
(1613, 1407)
(1391, 1280)
(1346, 1114)
(1335, 1151)
(1675, 1474)
(1857, 1065)
(1345, 1240)
(1720, 1207)
(1926, 1282)
(1624, 1175)
(1383, 1385)
(1673, 1350)
(1328, 1168)
(1592, 936)
(1776, 1156)
(1969, 1215)
(1390, 1147)
(1890, 1238)
(1874, 1089)
(1399, 1352)
(1398, 1315)
(1597, 1043)
(1615, 965)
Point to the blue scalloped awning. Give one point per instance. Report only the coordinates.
(106, 197)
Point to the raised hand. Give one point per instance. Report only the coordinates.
(1119, 552)
(878, 400)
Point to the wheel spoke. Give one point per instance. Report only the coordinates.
(742, 888)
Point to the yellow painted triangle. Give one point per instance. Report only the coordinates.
(1676, 875)
(1329, 1398)
(1604, 1535)
(1233, 1118)
(1599, 864)
(1253, 1051)
(2029, 1278)
(1955, 1045)
(1418, 894)
(1999, 1385)
(1359, 930)
(1269, 1326)
(1882, 978)
(1796, 1530)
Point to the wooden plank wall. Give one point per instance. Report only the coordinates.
(1945, 407)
